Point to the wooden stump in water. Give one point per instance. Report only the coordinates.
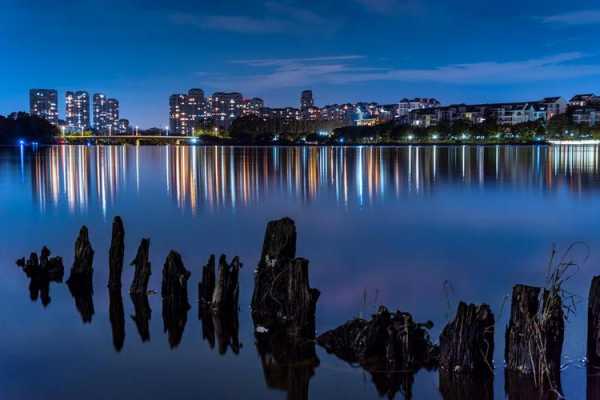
(41, 271)
(227, 288)
(143, 270)
(84, 257)
(283, 298)
(206, 287)
(116, 254)
(593, 331)
(467, 343)
(535, 334)
(175, 297)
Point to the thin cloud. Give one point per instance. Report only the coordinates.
(278, 18)
(338, 70)
(584, 17)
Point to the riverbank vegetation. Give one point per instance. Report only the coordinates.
(22, 127)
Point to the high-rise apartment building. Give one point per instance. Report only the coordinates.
(43, 103)
(186, 111)
(106, 114)
(226, 107)
(77, 110)
(306, 100)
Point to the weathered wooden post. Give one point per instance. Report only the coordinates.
(593, 331)
(84, 258)
(175, 297)
(282, 295)
(117, 318)
(143, 314)
(143, 270)
(534, 336)
(466, 354)
(116, 254)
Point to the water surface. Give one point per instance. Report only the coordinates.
(415, 228)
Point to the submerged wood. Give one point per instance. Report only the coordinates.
(143, 270)
(535, 333)
(82, 268)
(81, 289)
(142, 316)
(117, 319)
(455, 386)
(467, 343)
(288, 362)
(282, 295)
(174, 313)
(41, 271)
(518, 386)
(389, 341)
(221, 328)
(116, 254)
(593, 318)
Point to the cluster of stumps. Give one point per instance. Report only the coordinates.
(391, 345)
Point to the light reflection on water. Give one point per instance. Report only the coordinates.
(396, 221)
(212, 177)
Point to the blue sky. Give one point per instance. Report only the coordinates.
(141, 51)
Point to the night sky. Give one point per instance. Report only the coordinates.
(345, 50)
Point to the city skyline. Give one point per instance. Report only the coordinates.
(142, 53)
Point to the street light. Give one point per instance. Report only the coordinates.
(136, 131)
(167, 130)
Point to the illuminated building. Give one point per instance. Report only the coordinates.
(187, 111)
(106, 114)
(43, 103)
(252, 106)
(77, 110)
(226, 107)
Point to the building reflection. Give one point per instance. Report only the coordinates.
(215, 177)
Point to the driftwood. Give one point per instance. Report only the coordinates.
(82, 268)
(534, 336)
(593, 383)
(41, 271)
(221, 294)
(142, 316)
(282, 295)
(116, 254)
(143, 270)
(117, 318)
(467, 343)
(175, 297)
(389, 341)
(593, 332)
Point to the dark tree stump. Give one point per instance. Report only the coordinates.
(117, 319)
(593, 333)
(175, 277)
(175, 298)
(222, 294)
(143, 270)
(535, 334)
(84, 257)
(116, 254)
(41, 271)
(206, 287)
(467, 343)
(282, 295)
(386, 342)
(142, 316)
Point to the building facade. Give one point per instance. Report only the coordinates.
(43, 103)
(106, 114)
(77, 110)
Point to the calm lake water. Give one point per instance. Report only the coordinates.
(415, 228)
